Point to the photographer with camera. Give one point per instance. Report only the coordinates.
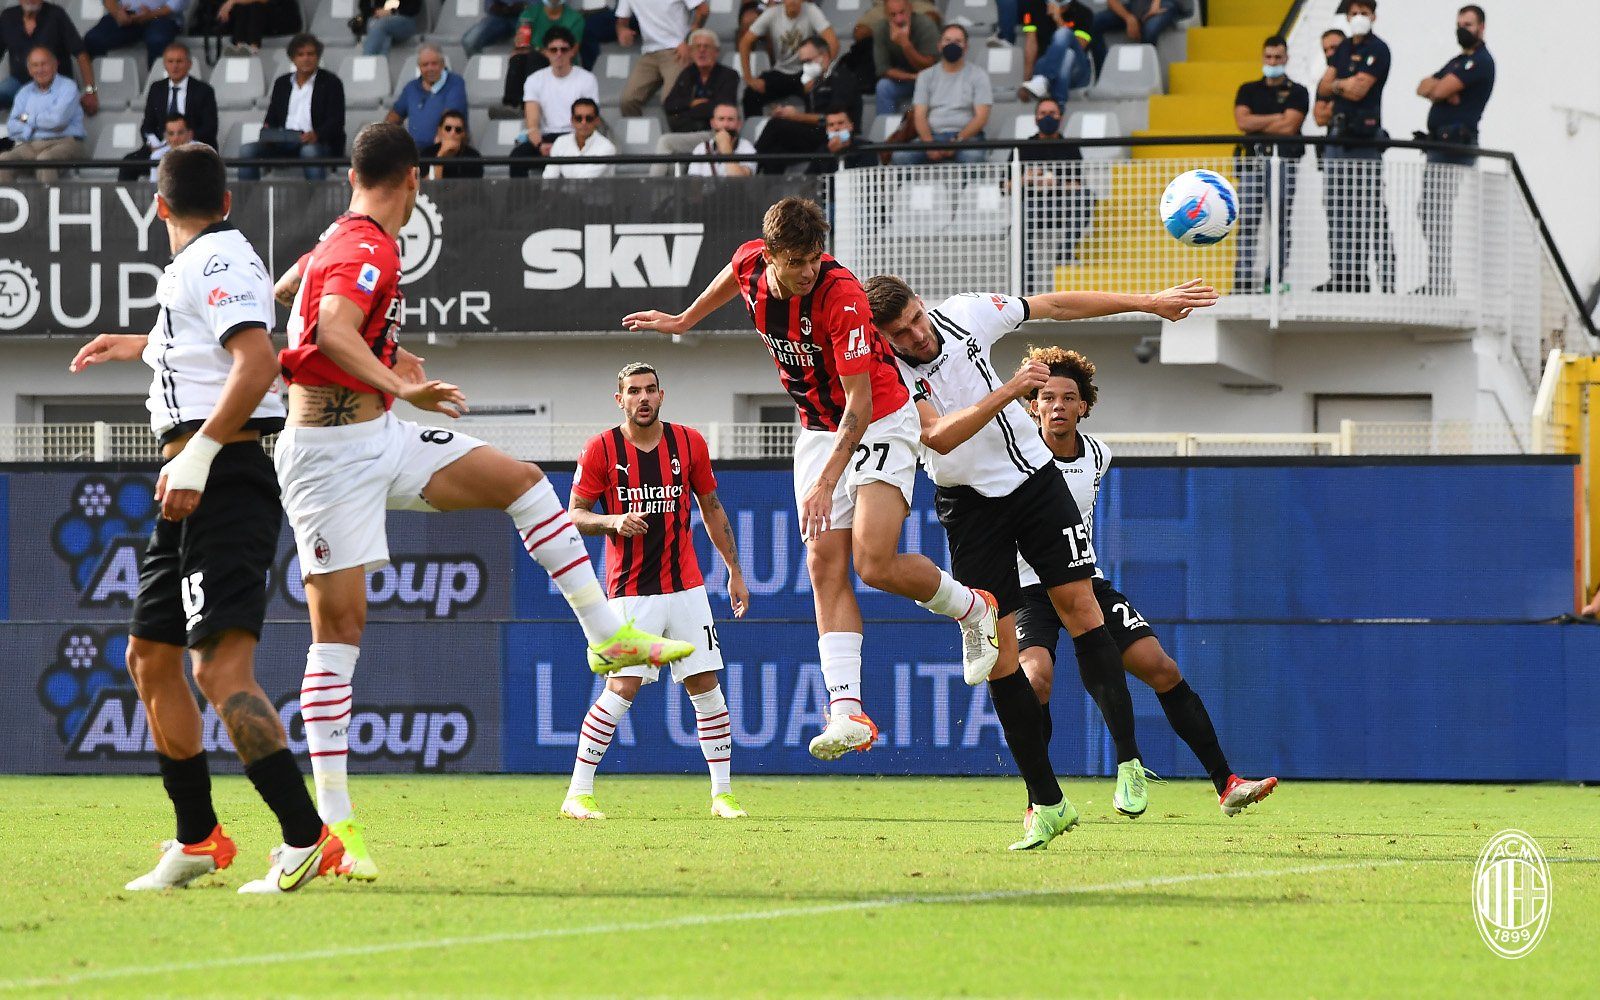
(381, 23)
(1459, 92)
(1358, 220)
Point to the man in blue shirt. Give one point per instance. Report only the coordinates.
(1459, 92)
(154, 22)
(421, 102)
(46, 120)
(1358, 219)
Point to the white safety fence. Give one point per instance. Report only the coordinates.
(1388, 241)
(548, 442)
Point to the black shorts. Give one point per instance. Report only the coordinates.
(1038, 519)
(207, 573)
(1038, 625)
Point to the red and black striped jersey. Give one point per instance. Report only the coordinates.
(656, 484)
(818, 338)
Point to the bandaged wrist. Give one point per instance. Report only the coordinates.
(188, 468)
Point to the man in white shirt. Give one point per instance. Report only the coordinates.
(725, 141)
(582, 142)
(548, 96)
(664, 27)
(784, 27)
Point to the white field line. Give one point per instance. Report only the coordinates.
(671, 923)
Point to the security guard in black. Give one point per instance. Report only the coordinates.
(1460, 91)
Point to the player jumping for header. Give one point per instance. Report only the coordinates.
(855, 459)
(344, 457)
(1060, 403)
(642, 473)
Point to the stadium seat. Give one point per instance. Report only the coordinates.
(85, 13)
(883, 127)
(753, 127)
(1004, 64)
(479, 129)
(922, 209)
(1129, 71)
(724, 20)
(329, 20)
(485, 75)
(366, 81)
(278, 64)
(611, 73)
(636, 136)
(111, 137)
(453, 20)
(237, 133)
(240, 81)
(976, 14)
(981, 210)
(1022, 126)
(759, 62)
(1096, 125)
(500, 138)
(121, 82)
(355, 119)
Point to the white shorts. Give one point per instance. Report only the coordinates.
(887, 454)
(338, 481)
(685, 616)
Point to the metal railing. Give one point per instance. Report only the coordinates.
(551, 442)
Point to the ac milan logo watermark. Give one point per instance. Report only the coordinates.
(320, 550)
(1511, 894)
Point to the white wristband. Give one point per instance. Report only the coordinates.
(188, 468)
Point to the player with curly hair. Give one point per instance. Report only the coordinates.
(1065, 399)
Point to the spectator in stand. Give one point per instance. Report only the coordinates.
(1358, 219)
(246, 22)
(878, 12)
(725, 141)
(829, 86)
(424, 100)
(46, 120)
(951, 103)
(548, 96)
(664, 27)
(1322, 107)
(784, 26)
(177, 93)
(452, 142)
(35, 23)
(1142, 21)
(305, 113)
(154, 22)
(1055, 53)
(175, 133)
(1056, 206)
(527, 54)
(1460, 93)
(384, 22)
(844, 142)
(498, 23)
(904, 43)
(599, 28)
(705, 84)
(748, 12)
(569, 150)
(1266, 111)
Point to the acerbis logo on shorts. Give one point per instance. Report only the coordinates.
(102, 535)
(439, 585)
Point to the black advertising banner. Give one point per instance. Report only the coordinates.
(479, 256)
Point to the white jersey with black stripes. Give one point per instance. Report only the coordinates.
(1083, 475)
(214, 287)
(1007, 450)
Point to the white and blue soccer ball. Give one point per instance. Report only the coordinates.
(1199, 208)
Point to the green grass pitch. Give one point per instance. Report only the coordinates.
(834, 887)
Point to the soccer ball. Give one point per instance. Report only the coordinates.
(1199, 208)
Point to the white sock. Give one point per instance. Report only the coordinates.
(549, 536)
(954, 599)
(325, 699)
(594, 736)
(841, 671)
(716, 737)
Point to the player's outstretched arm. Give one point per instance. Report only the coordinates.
(288, 284)
(945, 434)
(254, 369)
(816, 509)
(339, 336)
(109, 347)
(721, 531)
(717, 294)
(1173, 304)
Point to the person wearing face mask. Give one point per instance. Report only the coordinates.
(951, 103)
(1459, 93)
(1322, 107)
(785, 27)
(1358, 220)
(33, 24)
(842, 140)
(1056, 207)
(1266, 110)
(828, 85)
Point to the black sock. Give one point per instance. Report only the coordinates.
(1192, 722)
(282, 787)
(1018, 709)
(188, 783)
(1100, 666)
(1049, 727)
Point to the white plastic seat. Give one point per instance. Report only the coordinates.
(1130, 72)
(366, 81)
(120, 81)
(240, 81)
(1096, 125)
